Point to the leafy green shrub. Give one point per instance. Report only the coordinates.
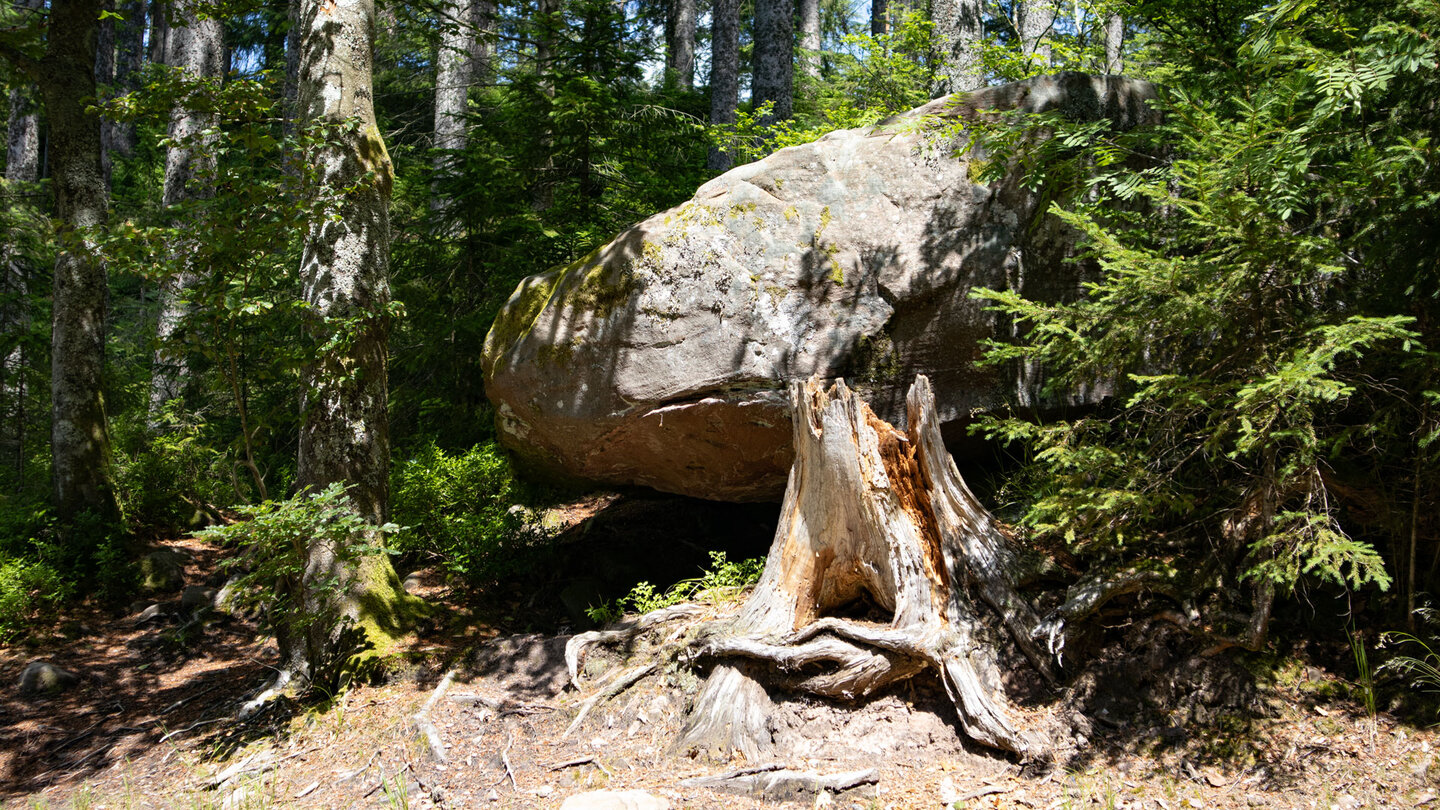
(721, 582)
(27, 587)
(164, 485)
(460, 509)
(275, 541)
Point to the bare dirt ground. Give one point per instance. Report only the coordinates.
(1155, 725)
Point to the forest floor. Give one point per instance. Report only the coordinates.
(152, 723)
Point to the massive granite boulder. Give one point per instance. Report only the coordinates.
(662, 358)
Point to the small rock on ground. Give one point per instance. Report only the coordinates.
(163, 572)
(197, 597)
(43, 677)
(615, 800)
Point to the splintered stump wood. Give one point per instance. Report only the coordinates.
(869, 512)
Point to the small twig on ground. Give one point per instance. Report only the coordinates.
(984, 791)
(505, 758)
(191, 727)
(182, 701)
(570, 763)
(384, 779)
(362, 769)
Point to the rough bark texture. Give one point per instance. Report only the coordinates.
(810, 38)
(548, 23)
(724, 71)
(344, 436)
(680, 43)
(773, 70)
(80, 438)
(870, 513)
(455, 65)
(1034, 19)
(118, 59)
(159, 30)
(1114, 42)
(959, 27)
(22, 165)
(196, 47)
(879, 17)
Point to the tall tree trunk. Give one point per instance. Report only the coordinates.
(344, 436)
(959, 28)
(482, 45)
(454, 72)
(196, 47)
(159, 30)
(680, 44)
(879, 17)
(22, 165)
(773, 75)
(1114, 42)
(548, 24)
(118, 137)
(870, 513)
(724, 72)
(1034, 20)
(810, 38)
(79, 436)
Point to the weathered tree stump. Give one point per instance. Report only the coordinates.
(869, 511)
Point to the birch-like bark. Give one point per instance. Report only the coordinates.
(810, 38)
(959, 28)
(79, 434)
(196, 48)
(680, 43)
(344, 436)
(724, 72)
(773, 75)
(1114, 43)
(454, 73)
(1035, 19)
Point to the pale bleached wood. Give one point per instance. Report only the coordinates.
(869, 511)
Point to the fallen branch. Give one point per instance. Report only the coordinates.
(427, 729)
(261, 761)
(570, 763)
(984, 791)
(774, 782)
(501, 706)
(620, 684)
(576, 646)
(190, 727)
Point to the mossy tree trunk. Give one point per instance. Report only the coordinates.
(344, 272)
(870, 512)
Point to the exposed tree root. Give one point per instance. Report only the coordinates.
(871, 515)
(870, 512)
(775, 781)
